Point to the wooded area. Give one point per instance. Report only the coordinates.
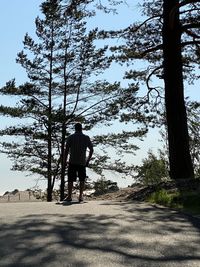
(63, 67)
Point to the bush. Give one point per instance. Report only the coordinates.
(152, 171)
(103, 186)
(186, 201)
(161, 197)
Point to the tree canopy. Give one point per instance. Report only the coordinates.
(64, 67)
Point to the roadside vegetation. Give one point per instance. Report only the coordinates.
(184, 201)
(183, 195)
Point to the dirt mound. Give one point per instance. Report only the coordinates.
(121, 194)
(140, 193)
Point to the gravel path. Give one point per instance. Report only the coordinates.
(96, 233)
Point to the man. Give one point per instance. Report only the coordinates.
(76, 147)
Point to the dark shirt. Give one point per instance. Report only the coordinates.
(77, 145)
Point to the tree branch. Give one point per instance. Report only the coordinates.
(190, 43)
(195, 25)
(152, 49)
(139, 26)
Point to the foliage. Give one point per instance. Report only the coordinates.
(185, 201)
(168, 36)
(193, 116)
(62, 66)
(143, 41)
(58, 91)
(152, 171)
(161, 197)
(193, 111)
(103, 186)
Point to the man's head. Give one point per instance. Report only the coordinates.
(78, 127)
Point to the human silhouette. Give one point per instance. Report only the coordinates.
(76, 147)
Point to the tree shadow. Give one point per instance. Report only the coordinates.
(132, 235)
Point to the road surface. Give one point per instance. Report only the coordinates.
(95, 234)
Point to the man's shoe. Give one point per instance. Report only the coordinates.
(80, 200)
(68, 199)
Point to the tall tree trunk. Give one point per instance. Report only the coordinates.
(62, 176)
(49, 161)
(49, 175)
(63, 156)
(63, 141)
(178, 139)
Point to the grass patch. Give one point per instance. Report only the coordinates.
(185, 201)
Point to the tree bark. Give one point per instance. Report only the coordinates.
(63, 158)
(49, 161)
(178, 140)
(63, 141)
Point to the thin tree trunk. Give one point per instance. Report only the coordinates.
(178, 139)
(49, 171)
(63, 156)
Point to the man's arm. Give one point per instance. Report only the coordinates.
(90, 146)
(67, 150)
(66, 153)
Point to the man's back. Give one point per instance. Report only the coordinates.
(78, 144)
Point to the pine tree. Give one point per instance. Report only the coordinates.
(167, 42)
(57, 67)
(62, 67)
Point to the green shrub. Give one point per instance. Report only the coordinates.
(103, 186)
(161, 197)
(186, 201)
(152, 171)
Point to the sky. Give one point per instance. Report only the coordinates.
(16, 18)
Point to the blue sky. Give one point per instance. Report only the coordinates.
(16, 18)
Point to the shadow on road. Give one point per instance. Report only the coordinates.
(135, 235)
(159, 213)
